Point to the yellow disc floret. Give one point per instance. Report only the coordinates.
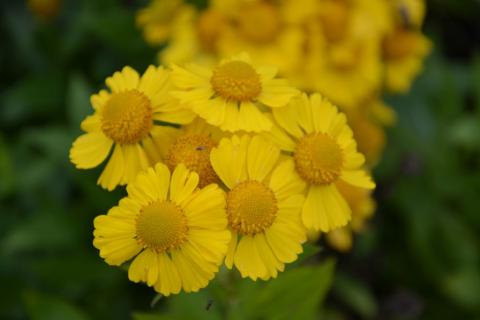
(251, 207)
(236, 81)
(318, 158)
(127, 117)
(193, 150)
(161, 226)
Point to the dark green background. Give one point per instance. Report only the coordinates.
(420, 259)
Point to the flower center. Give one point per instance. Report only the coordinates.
(127, 117)
(259, 23)
(335, 18)
(161, 226)
(236, 80)
(318, 158)
(399, 45)
(193, 150)
(210, 24)
(251, 207)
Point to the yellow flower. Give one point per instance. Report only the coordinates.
(264, 200)
(232, 95)
(157, 19)
(261, 29)
(125, 118)
(368, 124)
(340, 239)
(342, 56)
(324, 152)
(404, 46)
(404, 51)
(175, 232)
(192, 147)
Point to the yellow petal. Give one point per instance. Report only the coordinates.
(269, 259)
(229, 158)
(168, 278)
(135, 161)
(247, 259)
(183, 183)
(124, 80)
(285, 180)
(284, 246)
(91, 123)
(89, 150)
(276, 93)
(144, 268)
(325, 209)
(99, 100)
(154, 82)
(113, 172)
(262, 155)
(232, 248)
(358, 178)
(251, 119)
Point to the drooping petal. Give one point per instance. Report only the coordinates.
(114, 171)
(247, 259)
(144, 268)
(358, 178)
(169, 280)
(325, 209)
(90, 149)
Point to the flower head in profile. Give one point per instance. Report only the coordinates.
(263, 204)
(233, 94)
(125, 120)
(324, 152)
(175, 233)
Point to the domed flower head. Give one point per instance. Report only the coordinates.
(264, 200)
(192, 147)
(324, 152)
(233, 94)
(175, 232)
(125, 119)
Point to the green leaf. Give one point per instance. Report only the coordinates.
(44, 307)
(295, 294)
(78, 100)
(356, 295)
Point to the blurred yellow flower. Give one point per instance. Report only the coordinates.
(157, 19)
(264, 200)
(233, 94)
(175, 233)
(342, 57)
(404, 46)
(324, 152)
(125, 119)
(44, 9)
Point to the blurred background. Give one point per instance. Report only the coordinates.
(419, 257)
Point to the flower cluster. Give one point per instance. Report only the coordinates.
(225, 165)
(350, 51)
